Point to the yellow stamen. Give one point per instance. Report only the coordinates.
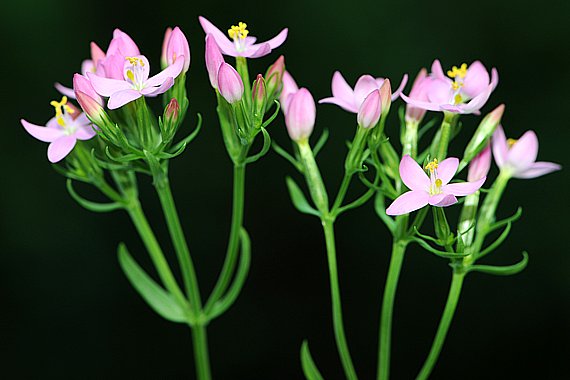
(131, 75)
(456, 85)
(59, 108)
(438, 183)
(460, 72)
(431, 166)
(135, 61)
(240, 31)
(511, 142)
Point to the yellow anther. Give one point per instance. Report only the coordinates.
(511, 142)
(59, 108)
(460, 72)
(431, 166)
(240, 31)
(458, 99)
(438, 183)
(131, 75)
(456, 85)
(135, 61)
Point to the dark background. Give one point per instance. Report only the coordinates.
(67, 311)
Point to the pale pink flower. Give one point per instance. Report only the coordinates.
(240, 44)
(518, 157)
(230, 83)
(289, 88)
(301, 115)
(370, 110)
(351, 99)
(417, 93)
(175, 45)
(214, 59)
(480, 165)
(434, 189)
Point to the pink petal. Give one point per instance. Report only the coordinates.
(339, 102)
(85, 133)
(442, 200)
(65, 90)
(278, 40)
(256, 51)
(440, 91)
(476, 80)
(446, 169)
(413, 175)
(341, 89)
(500, 148)
(523, 153)
(60, 148)
(436, 70)
(154, 91)
(408, 202)
(171, 71)
(123, 45)
(97, 53)
(120, 98)
(396, 95)
(107, 87)
(364, 86)
(289, 87)
(44, 134)
(421, 104)
(226, 45)
(538, 169)
(463, 188)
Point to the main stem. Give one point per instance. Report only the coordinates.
(450, 306)
(385, 338)
(233, 241)
(339, 334)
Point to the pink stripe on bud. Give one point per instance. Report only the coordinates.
(386, 95)
(214, 59)
(91, 107)
(301, 115)
(82, 84)
(370, 110)
(480, 165)
(230, 84)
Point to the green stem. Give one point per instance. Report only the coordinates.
(410, 139)
(385, 338)
(233, 242)
(341, 192)
(313, 177)
(201, 356)
(241, 64)
(338, 326)
(445, 136)
(451, 304)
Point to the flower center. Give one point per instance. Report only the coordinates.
(435, 183)
(238, 34)
(458, 75)
(135, 72)
(62, 112)
(511, 142)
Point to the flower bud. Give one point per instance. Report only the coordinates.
(482, 135)
(301, 115)
(386, 96)
(289, 88)
(163, 60)
(259, 98)
(178, 46)
(214, 59)
(274, 77)
(418, 92)
(170, 120)
(92, 108)
(480, 165)
(81, 83)
(230, 84)
(370, 110)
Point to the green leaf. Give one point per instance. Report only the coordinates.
(264, 150)
(309, 368)
(298, 198)
(321, 142)
(283, 153)
(188, 139)
(437, 252)
(154, 295)
(89, 205)
(273, 116)
(501, 270)
(494, 245)
(505, 221)
(380, 208)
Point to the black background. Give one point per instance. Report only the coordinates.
(66, 310)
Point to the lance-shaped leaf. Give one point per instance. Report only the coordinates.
(501, 270)
(154, 295)
(188, 139)
(264, 149)
(380, 208)
(298, 198)
(283, 153)
(89, 205)
(494, 245)
(273, 116)
(437, 252)
(241, 275)
(309, 368)
(505, 221)
(321, 142)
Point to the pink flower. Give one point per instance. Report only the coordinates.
(518, 157)
(175, 45)
(434, 189)
(135, 81)
(230, 84)
(120, 47)
(351, 100)
(240, 44)
(82, 84)
(289, 88)
(417, 93)
(480, 165)
(464, 89)
(62, 131)
(214, 59)
(301, 115)
(370, 110)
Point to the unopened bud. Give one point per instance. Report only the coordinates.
(480, 165)
(386, 96)
(170, 121)
(230, 84)
(370, 110)
(274, 77)
(301, 115)
(259, 99)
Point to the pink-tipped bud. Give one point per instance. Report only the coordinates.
(301, 115)
(274, 76)
(419, 92)
(496, 115)
(163, 60)
(259, 95)
(370, 110)
(172, 111)
(170, 121)
(177, 46)
(214, 59)
(230, 84)
(82, 84)
(386, 95)
(289, 88)
(91, 108)
(480, 165)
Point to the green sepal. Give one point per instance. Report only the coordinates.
(494, 245)
(273, 115)
(437, 252)
(89, 205)
(155, 296)
(501, 223)
(264, 149)
(298, 198)
(496, 270)
(283, 153)
(426, 127)
(307, 363)
(188, 139)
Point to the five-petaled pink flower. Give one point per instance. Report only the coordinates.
(351, 100)
(135, 82)
(63, 130)
(240, 44)
(518, 157)
(434, 189)
(464, 90)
